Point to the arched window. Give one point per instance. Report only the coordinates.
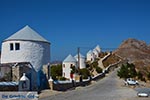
(24, 84)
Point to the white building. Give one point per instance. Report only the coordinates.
(98, 48)
(90, 56)
(26, 45)
(96, 53)
(67, 64)
(81, 61)
(93, 54)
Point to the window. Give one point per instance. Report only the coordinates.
(17, 46)
(64, 74)
(71, 65)
(64, 65)
(11, 46)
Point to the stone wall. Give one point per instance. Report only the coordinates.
(8, 88)
(25, 67)
(98, 77)
(62, 87)
(69, 85)
(5, 72)
(46, 70)
(19, 69)
(115, 65)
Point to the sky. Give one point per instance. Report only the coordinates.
(69, 24)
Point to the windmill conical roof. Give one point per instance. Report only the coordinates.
(70, 58)
(90, 52)
(95, 51)
(98, 48)
(26, 33)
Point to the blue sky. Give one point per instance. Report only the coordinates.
(69, 24)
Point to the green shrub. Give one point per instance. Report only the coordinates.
(62, 78)
(94, 64)
(56, 71)
(84, 73)
(127, 71)
(140, 75)
(99, 70)
(148, 76)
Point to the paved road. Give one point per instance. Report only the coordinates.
(109, 88)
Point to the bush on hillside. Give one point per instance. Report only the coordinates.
(127, 71)
(148, 76)
(99, 70)
(94, 64)
(139, 75)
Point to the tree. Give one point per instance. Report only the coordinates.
(74, 70)
(139, 75)
(132, 72)
(123, 72)
(127, 71)
(56, 71)
(84, 73)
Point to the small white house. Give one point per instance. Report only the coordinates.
(67, 64)
(81, 61)
(90, 56)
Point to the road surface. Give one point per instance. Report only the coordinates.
(108, 88)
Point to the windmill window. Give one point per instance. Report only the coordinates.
(11, 46)
(17, 46)
(71, 65)
(64, 65)
(64, 74)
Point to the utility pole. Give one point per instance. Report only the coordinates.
(79, 57)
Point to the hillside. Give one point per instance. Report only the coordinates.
(137, 52)
(110, 60)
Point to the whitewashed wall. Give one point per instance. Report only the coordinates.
(82, 62)
(96, 54)
(37, 53)
(90, 57)
(67, 69)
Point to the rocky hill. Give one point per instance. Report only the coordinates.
(137, 52)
